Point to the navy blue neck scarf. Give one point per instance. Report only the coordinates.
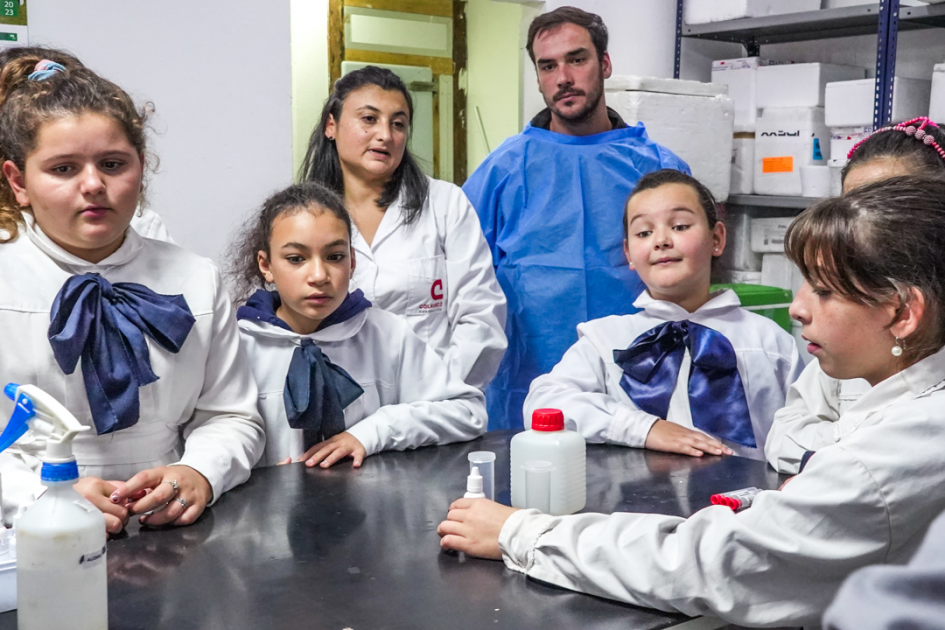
(316, 390)
(716, 396)
(104, 324)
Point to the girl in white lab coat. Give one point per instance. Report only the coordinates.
(873, 307)
(420, 248)
(336, 377)
(630, 379)
(816, 401)
(163, 383)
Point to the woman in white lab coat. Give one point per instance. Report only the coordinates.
(808, 419)
(873, 306)
(420, 249)
(136, 337)
(336, 377)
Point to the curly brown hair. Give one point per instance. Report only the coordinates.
(25, 105)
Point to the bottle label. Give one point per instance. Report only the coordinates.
(93, 559)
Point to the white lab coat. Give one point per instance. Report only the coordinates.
(867, 499)
(808, 420)
(200, 413)
(585, 385)
(437, 275)
(410, 398)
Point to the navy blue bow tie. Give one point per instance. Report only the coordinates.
(716, 395)
(104, 324)
(316, 393)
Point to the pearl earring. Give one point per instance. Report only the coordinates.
(897, 349)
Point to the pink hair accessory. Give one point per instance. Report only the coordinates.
(908, 127)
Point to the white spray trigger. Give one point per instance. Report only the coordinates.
(46, 416)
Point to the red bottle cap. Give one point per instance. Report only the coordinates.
(547, 420)
(721, 499)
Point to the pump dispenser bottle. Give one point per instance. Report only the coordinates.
(548, 441)
(61, 563)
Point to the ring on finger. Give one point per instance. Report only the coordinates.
(182, 501)
(174, 485)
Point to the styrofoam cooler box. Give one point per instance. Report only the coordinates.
(767, 235)
(743, 164)
(842, 139)
(850, 103)
(740, 77)
(737, 255)
(694, 120)
(743, 277)
(778, 271)
(937, 100)
(785, 140)
(800, 84)
(705, 11)
(836, 175)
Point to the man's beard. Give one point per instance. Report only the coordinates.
(592, 100)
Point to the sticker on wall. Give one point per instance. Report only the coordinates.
(13, 29)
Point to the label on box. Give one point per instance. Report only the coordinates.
(783, 164)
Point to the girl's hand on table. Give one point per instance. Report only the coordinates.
(473, 525)
(673, 438)
(99, 493)
(333, 449)
(174, 494)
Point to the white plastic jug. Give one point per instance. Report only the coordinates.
(548, 441)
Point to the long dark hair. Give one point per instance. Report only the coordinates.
(874, 245)
(255, 233)
(321, 160)
(898, 145)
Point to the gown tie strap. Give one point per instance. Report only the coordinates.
(716, 395)
(104, 324)
(316, 394)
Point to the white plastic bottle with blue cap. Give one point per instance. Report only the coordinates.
(61, 566)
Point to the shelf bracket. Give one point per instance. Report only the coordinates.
(679, 22)
(752, 48)
(887, 39)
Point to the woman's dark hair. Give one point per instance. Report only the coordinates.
(898, 145)
(255, 233)
(671, 176)
(321, 160)
(569, 15)
(27, 104)
(874, 245)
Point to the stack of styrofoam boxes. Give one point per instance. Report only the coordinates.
(692, 119)
(849, 113)
(767, 239)
(791, 133)
(705, 11)
(937, 100)
(739, 75)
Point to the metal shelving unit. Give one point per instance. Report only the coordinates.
(885, 19)
(771, 201)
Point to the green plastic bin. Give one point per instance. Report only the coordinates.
(770, 302)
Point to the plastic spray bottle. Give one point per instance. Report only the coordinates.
(61, 565)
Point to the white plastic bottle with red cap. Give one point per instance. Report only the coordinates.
(549, 441)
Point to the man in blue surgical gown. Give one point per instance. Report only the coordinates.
(551, 203)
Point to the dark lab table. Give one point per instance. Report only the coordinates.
(343, 548)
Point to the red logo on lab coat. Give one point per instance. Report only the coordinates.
(436, 291)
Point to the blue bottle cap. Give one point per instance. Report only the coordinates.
(59, 472)
(10, 390)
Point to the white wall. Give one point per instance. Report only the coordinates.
(219, 75)
(642, 41)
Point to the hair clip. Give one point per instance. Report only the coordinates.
(45, 69)
(908, 127)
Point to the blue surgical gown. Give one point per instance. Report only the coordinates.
(551, 208)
